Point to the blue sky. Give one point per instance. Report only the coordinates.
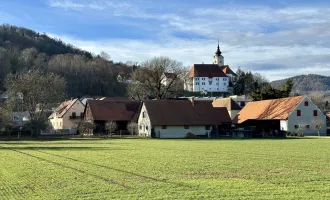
(277, 39)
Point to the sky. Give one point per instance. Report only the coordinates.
(277, 39)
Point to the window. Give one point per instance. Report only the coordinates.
(224, 79)
(82, 115)
(203, 83)
(143, 114)
(308, 126)
(140, 127)
(306, 103)
(210, 82)
(296, 126)
(224, 84)
(207, 127)
(147, 128)
(315, 113)
(317, 126)
(74, 114)
(186, 127)
(164, 127)
(197, 79)
(197, 83)
(217, 79)
(298, 113)
(217, 88)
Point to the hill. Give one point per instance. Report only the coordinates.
(305, 84)
(22, 49)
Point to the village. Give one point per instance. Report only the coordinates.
(205, 116)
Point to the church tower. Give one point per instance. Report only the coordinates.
(218, 58)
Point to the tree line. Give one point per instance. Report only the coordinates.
(23, 50)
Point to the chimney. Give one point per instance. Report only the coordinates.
(192, 100)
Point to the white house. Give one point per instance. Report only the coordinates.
(67, 115)
(293, 114)
(178, 118)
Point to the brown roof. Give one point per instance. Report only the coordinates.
(183, 112)
(114, 110)
(63, 108)
(269, 109)
(114, 99)
(206, 70)
(229, 103)
(226, 69)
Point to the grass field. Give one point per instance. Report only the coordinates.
(165, 169)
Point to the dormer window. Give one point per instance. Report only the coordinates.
(306, 103)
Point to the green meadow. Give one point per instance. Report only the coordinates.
(165, 169)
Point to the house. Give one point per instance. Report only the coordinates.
(67, 115)
(328, 122)
(178, 118)
(168, 78)
(292, 114)
(120, 111)
(232, 107)
(20, 118)
(215, 77)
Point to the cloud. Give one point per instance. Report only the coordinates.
(276, 42)
(85, 5)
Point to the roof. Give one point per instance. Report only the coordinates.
(184, 112)
(63, 108)
(170, 75)
(114, 110)
(269, 109)
(227, 103)
(226, 69)
(206, 70)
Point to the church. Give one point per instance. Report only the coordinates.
(215, 77)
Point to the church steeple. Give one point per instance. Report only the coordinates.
(218, 58)
(218, 52)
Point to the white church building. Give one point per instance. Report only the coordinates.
(215, 77)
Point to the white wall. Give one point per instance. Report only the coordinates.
(144, 125)
(219, 60)
(179, 131)
(218, 84)
(284, 125)
(233, 113)
(307, 118)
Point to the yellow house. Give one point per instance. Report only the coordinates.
(67, 115)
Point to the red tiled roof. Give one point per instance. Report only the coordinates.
(183, 112)
(269, 109)
(63, 108)
(114, 110)
(227, 103)
(226, 69)
(206, 70)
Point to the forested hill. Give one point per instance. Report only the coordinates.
(22, 49)
(307, 83)
(22, 38)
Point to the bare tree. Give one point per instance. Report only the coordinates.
(111, 126)
(319, 125)
(85, 126)
(301, 129)
(32, 90)
(132, 128)
(150, 78)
